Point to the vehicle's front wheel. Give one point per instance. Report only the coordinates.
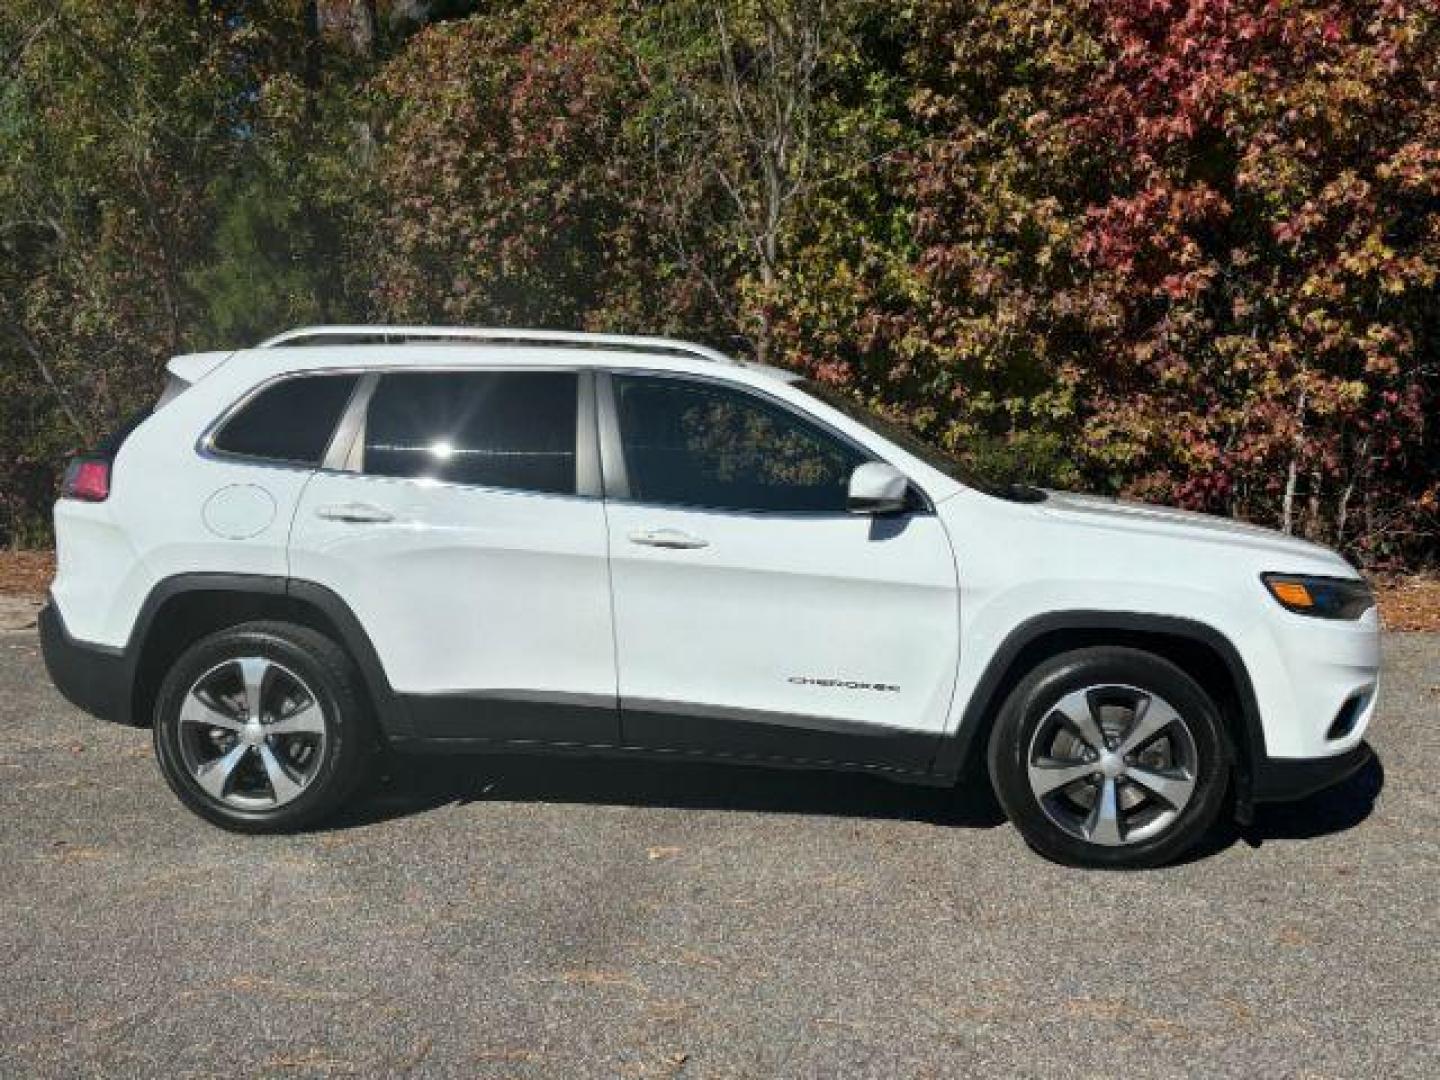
(1110, 757)
(262, 727)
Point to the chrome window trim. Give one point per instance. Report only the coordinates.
(455, 485)
(599, 455)
(344, 454)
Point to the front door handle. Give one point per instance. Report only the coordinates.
(357, 512)
(667, 538)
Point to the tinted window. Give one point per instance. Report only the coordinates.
(510, 429)
(696, 444)
(290, 421)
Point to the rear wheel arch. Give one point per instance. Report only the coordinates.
(1201, 651)
(263, 727)
(183, 609)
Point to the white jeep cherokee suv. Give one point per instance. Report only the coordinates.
(447, 540)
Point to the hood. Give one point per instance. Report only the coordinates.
(1183, 524)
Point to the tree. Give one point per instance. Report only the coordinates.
(107, 124)
(1183, 250)
(1268, 245)
(496, 169)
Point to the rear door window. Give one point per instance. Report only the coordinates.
(290, 421)
(500, 429)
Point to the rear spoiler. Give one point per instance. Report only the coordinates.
(87, 477)
(188, 369)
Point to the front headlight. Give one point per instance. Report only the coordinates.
(1322, 597)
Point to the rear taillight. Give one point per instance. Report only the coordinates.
(87, 479)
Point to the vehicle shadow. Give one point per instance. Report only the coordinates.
(411, 785)
(1333, 810)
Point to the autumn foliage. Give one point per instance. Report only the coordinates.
(1178, 250)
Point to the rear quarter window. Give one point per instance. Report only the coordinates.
(290, 421)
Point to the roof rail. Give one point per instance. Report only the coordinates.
(400, 335)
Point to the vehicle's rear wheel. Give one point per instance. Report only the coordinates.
(262, 727)
(1110, 757)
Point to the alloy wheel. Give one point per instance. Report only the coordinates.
(252, 733)
(1112, 764)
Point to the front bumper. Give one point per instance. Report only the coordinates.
(1287, 779)
(92, 677)
(1307, 674)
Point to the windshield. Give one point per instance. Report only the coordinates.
(912, 444)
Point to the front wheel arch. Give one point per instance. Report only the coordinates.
(1201, 651)
(1120, 721)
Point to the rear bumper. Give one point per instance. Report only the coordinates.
(1287, 779)
(92, 677)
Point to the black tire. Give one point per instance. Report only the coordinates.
(338, 762)
(1059, 825)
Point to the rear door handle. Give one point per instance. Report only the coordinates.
(359, 513)
(667, 538)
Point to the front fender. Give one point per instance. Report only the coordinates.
(985, 690)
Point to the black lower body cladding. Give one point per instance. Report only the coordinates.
(90, 677)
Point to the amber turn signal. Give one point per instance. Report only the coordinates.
(1322, 597)
(1292, 594)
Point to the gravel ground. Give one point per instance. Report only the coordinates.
(510, 917)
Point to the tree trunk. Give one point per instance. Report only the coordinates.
(1359, 474)
(354, 21)
(1292, 473)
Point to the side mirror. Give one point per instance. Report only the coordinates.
(877, 488)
